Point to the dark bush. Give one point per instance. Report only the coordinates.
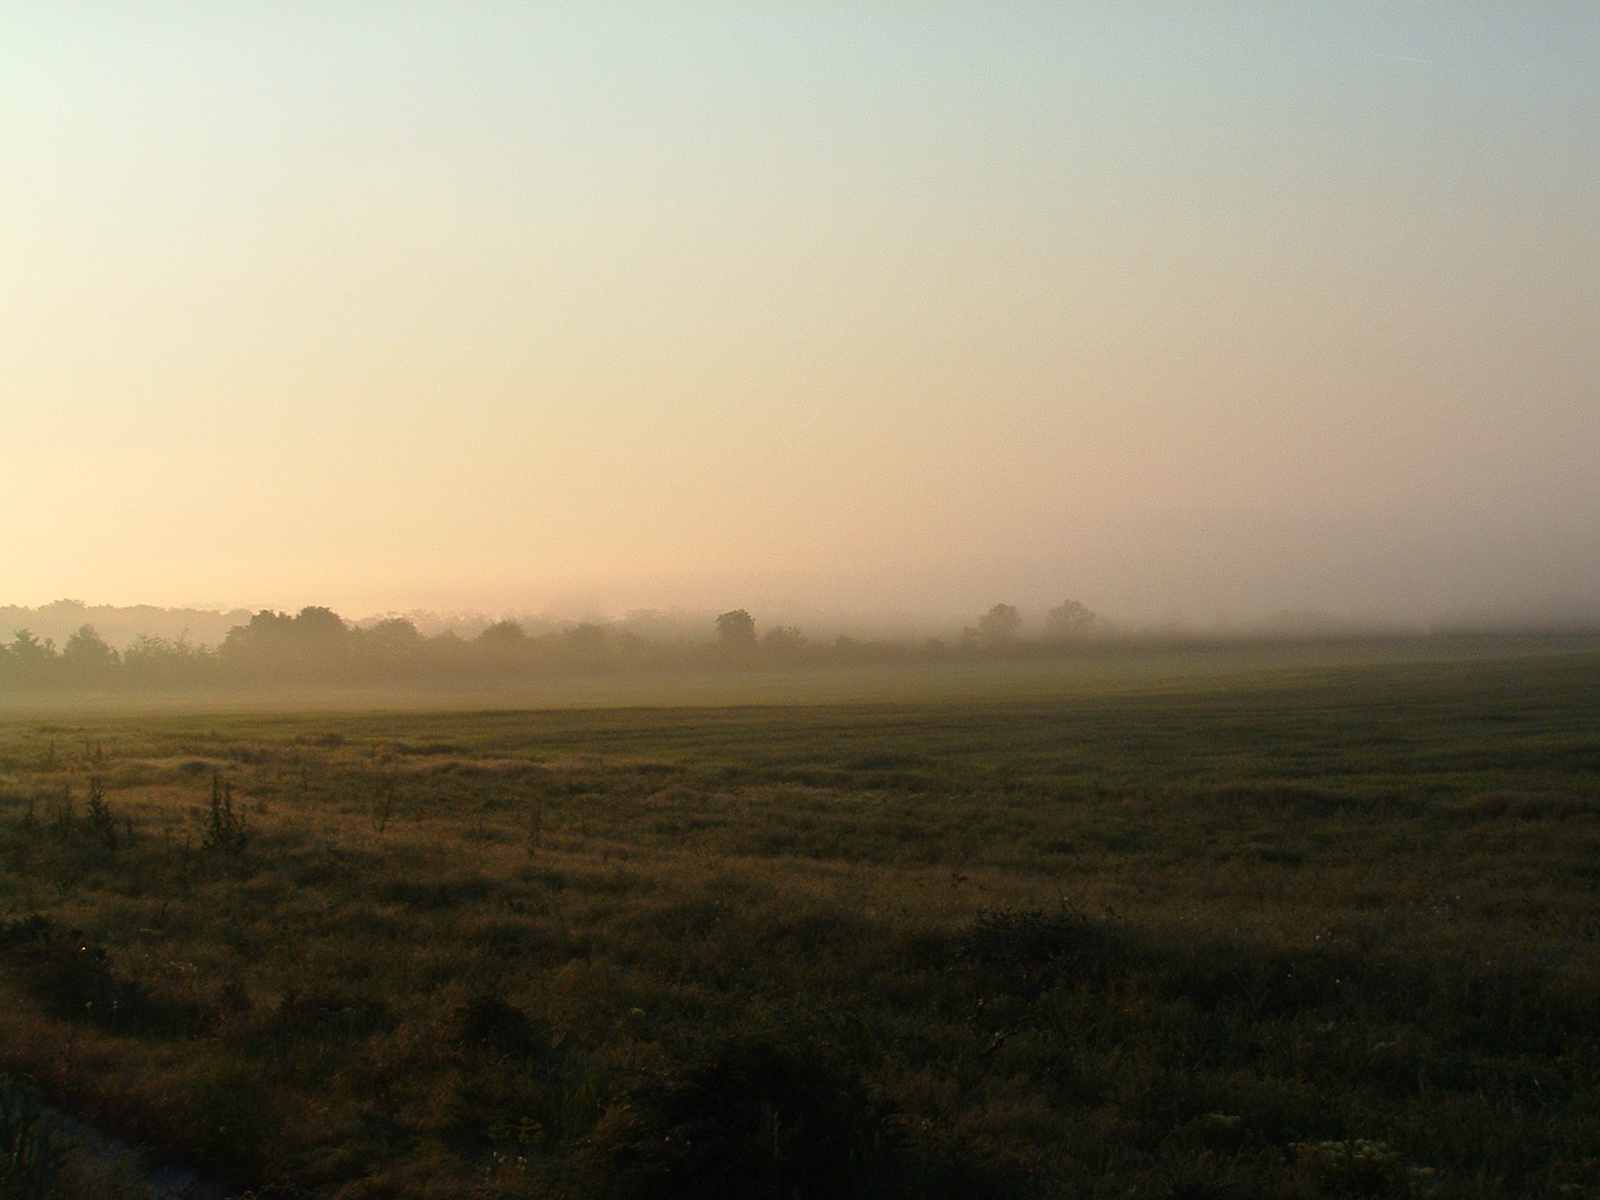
(326, 1014)
(66, 973)
(435, 894)
(34, 928)
(1263, 983)
(753, 1121)
(1035, 947)
(489, 1023)
(226, 829)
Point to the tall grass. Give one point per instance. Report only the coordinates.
(1321, 934)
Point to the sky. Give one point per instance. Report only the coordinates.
(1190, 312)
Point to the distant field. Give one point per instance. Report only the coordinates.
(1314, 921)
(1092, 668)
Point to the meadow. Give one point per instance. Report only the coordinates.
(1301, 930)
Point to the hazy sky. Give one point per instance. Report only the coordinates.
(1180, 310)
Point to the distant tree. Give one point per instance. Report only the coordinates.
(87, 655)
(263, 630)
(314, 621)
(589, 634)
(1070, 619)
(29, 660)
(448, 654)
(504, 648)
(503, 635)
(163, 660)
(736, 629)
(29, 653)
(315, 643)
(388, 647)
(394, 634)
(586, 644)
(631, 648)
(784, 643)
(998, 626)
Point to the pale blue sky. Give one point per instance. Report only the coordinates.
(1181, 310)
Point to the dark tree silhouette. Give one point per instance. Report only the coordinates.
(315, 621)
(784, 643)
(1070, 620)
(998, 626)
(87, 656)
(585, 647)
(26, 648)
(28, 660)
(503, 635)
(314, 644)
(737, 629)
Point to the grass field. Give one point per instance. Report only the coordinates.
(1287, 930)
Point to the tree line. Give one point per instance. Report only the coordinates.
(316, 645)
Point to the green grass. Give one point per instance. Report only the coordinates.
(1288, 929)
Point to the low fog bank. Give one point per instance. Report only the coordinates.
(1206, 573)
(123, 626)
(319, 646)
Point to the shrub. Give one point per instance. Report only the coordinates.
(752, 1121)
(326, 1013)
(1031, 948)
(489, 1023)
(102, 821)
(66, 973)
(225, 830)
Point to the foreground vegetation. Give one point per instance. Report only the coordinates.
(1316, 933)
